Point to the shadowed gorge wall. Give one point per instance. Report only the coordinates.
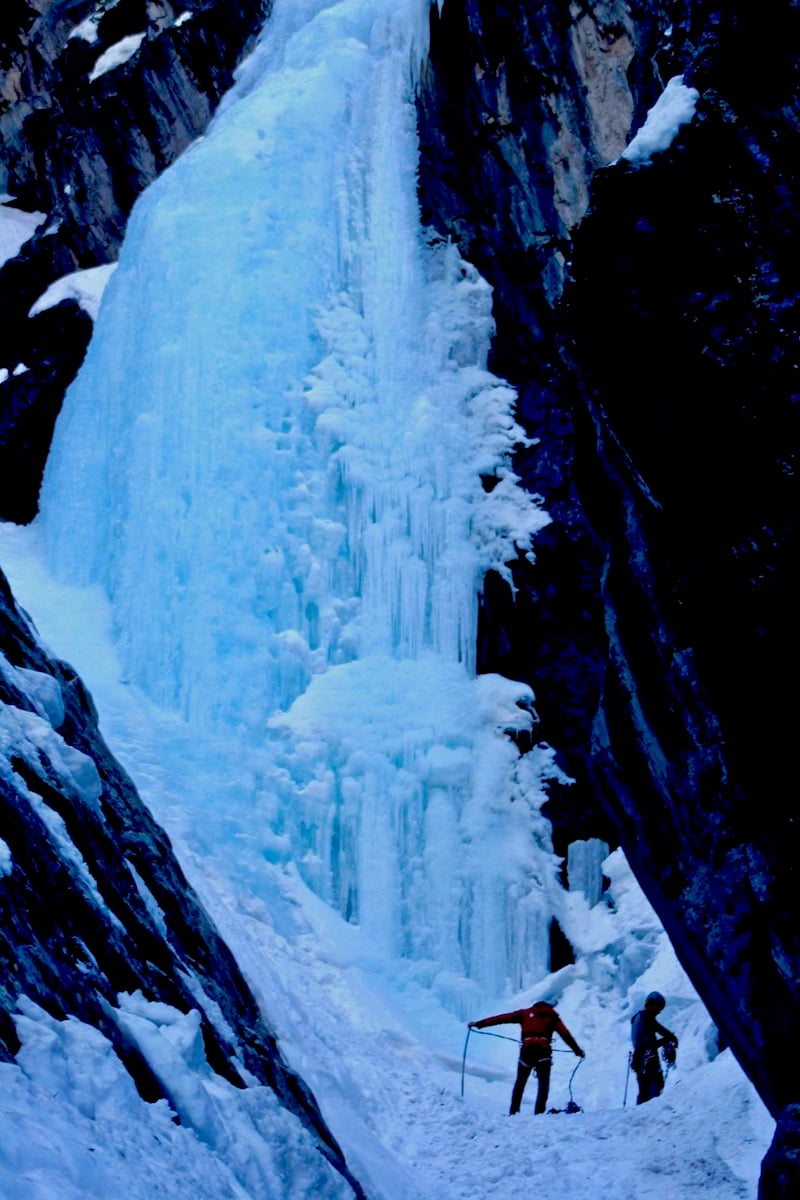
(687, 445)
(668, 366)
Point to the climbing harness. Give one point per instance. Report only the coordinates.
(646, 1060)
(668, 1055)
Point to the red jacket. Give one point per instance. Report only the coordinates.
(537, 1023)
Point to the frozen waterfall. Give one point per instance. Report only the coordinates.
(286, 462)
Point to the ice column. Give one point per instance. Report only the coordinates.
(585, 868)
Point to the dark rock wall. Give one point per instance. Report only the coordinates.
(82, 149)
(684, 314)
(75, 928)
(519, 105)
(664, 390)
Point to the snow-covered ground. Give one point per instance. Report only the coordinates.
(16, 227)
(382, 1055)
(264, 528)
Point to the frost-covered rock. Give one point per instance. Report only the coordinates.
(101, 932)
(96, 99)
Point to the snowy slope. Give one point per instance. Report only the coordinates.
(381, 1054)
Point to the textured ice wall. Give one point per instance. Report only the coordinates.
(287, 463)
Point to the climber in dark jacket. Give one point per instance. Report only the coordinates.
(537, 1026)
(647, 1037)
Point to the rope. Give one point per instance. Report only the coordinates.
(572, 1076)
(464, 1060)
(517, 1041)
(503, 1036)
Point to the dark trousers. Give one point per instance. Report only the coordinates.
(532, 1058)
(648, 1073)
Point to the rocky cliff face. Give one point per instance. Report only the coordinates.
(684, 313)
(519, 107)
(94, 905)
(96, 99)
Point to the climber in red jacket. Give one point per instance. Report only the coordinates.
(537, 1026)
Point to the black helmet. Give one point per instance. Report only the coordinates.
(656, 999)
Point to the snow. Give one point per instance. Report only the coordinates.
(85, 287)
(41, 689)
(29, 734)
(19, 369)
(382, 1054)
(263, 534)
(116, 55)
(16, 227)
(674, 107)
(149, 899)
(74, 1126)
(87, 29)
